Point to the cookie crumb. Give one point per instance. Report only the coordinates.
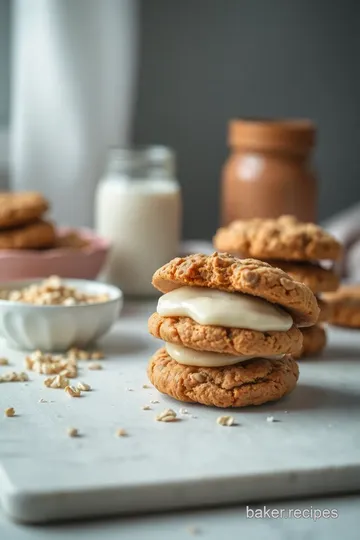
(146, 408)
(182, 410)
(154, 401)
(9, 412)
(59, 381)
(225, 420)
(168, 415)
(72, 432)
(121, 432)
(95, 366)
(83, 386)
(4, 362)
(146, 386)
(193, 530)
(13, 376)
(97, 355)
(73, 392)
(270, 419)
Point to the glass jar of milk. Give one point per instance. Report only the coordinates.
(138, 208)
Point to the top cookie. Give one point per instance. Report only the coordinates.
(225, 272)
(20, 208)
(282, 238)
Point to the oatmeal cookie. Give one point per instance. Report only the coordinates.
(318, 279)
(40, 234)
(282, 238)
(314, 341)
(185, 331)
(345, 306)
(248, 383)
(225, 272)
(20, 208)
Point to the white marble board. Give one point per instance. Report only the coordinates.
(313, 447)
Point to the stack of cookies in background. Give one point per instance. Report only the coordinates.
(297, 248)
(230, 330)
(22, 225)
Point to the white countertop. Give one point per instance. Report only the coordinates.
(320, 426)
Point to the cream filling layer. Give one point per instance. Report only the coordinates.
(219, 308)
(190, 357)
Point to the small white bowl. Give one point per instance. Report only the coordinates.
(58, 328)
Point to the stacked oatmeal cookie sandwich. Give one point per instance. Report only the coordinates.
(230, 327)
(298, 249)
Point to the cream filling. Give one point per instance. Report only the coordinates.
(189, 357)
(219, 308)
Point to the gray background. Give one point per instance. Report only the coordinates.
(205, 61)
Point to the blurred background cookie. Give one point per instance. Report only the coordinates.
(345, 306)
(21, 208)
(38, 234)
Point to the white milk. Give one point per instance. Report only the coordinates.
(142, 219)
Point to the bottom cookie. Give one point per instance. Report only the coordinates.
(253, 382)
(314, 341)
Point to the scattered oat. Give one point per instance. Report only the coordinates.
(130, 389)
(10, 411)
(49, 364)
(193, 416)
(84, 355)
(42, 400)
(59, 381)
(95, 366)
(146, 386)
(83, 387)
(270, 419)
(121, 432)
(193, 530)
(154, 401)
(286, 412)
(4, 362)
(182, 410)
(225, 420)
(146, 408)
(13, 376)
(72, 432)
(97, 355)
(52, 292)
(72, 391)
(168, 415)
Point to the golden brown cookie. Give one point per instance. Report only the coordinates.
(282, 238)
(225, 272)
(314, 341)
(185, 331)
(40, 234)
(345, 306)
(248, 383)
(20, 208)
(318, 279)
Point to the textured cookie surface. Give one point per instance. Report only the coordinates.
(345, 306)
(185, 331)
(282, 238)
(39, 234)
(225, 272)
(318, 279)
(247, 383)
(19, 208)
(314, 341)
